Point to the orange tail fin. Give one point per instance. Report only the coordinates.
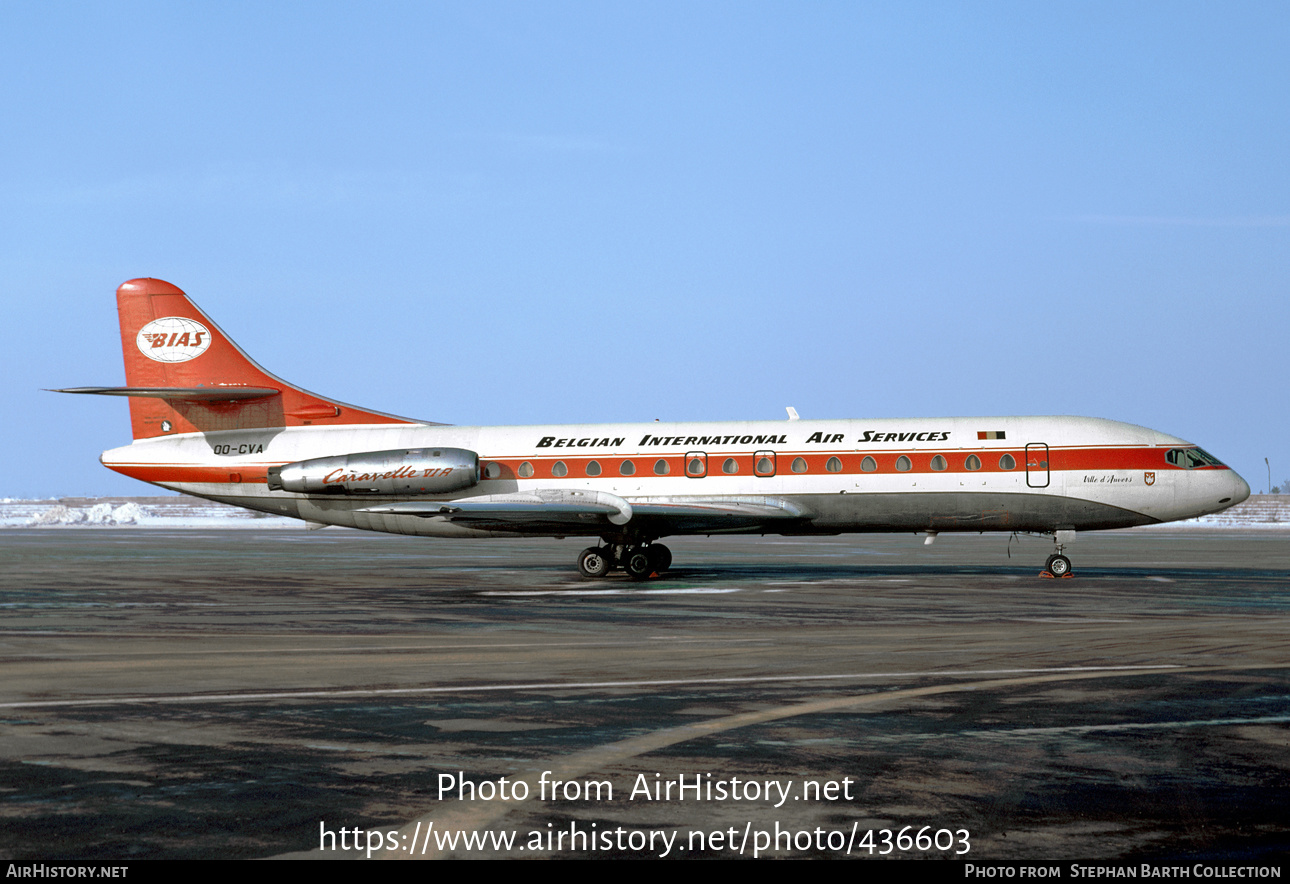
(184, 375)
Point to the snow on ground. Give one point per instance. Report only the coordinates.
(1262, 511)
(133, 512)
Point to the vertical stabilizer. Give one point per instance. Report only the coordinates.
(183, 374)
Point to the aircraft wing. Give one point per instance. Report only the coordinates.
(589, 510)
(715, 515)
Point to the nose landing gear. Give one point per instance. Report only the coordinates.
(1058, 564)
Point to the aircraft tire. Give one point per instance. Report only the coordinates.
(660, 556)
(1058, 565)
(594, 562)
(638, 563)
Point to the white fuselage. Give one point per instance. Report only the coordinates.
(939, 474)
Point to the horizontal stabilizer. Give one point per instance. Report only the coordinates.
(192, 394)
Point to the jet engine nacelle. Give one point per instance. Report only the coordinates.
(403, 471)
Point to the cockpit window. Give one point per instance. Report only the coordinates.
(1190, 458)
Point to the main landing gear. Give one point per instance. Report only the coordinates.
(638, 561)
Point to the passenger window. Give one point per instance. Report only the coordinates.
(558, 469)
(833, 465)
(868, 465)
(730, 467)
(1007, 462)
(799, 465)
(526, 470)
(696, 464)
(492, 471)
(661, 468)
(938, 463)
(973, 462)
(764, 464)
(593, 468)
(627, 468)
(903, 464)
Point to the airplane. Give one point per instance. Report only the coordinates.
(210, 422)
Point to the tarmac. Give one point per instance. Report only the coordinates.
(187, 694)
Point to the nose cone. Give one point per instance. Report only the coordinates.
(1240, 490)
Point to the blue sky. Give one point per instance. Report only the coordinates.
(495, 213)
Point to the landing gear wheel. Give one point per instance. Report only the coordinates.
(660, 556)
(1058, 565)
(595, 562)
(638, 563)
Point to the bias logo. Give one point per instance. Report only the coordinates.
(1149, 478)
(173, 339)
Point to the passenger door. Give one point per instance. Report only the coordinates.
(1037, 465)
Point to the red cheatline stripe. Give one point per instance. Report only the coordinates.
(1059, 459)
(190, 473)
